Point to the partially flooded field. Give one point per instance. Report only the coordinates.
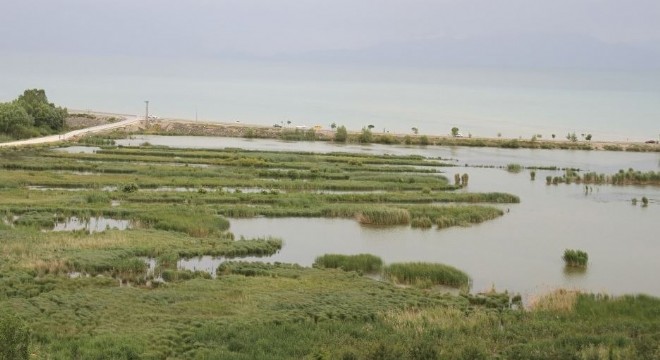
(222, 240)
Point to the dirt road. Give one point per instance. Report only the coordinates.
(128, 120)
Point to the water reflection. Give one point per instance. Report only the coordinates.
(78, 149)
(92, 224)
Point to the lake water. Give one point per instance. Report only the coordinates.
(520, 252)
(483, 102)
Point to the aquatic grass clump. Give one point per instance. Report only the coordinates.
(447, 216)
(383, 216)
(575, 258)
(426, 274)
(361, 262)
(514, 168)
(97, 198)
(421, 222)
(194, 222)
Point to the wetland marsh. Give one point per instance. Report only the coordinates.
(213, 247)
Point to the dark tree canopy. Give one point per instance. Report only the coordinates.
(14, 120)
(35, 102)
(31, 115)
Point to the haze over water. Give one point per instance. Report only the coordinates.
(484, 102)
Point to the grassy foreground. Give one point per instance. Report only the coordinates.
(302, 313)
(82, 295)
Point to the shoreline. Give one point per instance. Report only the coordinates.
(133, 124)
(171, 127)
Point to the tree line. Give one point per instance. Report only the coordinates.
(31, 115)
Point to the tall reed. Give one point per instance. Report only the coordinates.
(359, 262)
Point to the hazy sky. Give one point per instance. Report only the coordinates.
(223, 28)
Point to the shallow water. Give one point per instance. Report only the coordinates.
(78, 149)
(519, 252)
(92, 224)
(599, 161)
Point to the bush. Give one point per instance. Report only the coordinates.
(575, 258)
(341, 135)
(129, 188)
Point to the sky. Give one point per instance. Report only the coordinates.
(561, 33)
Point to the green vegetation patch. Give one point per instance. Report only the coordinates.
(365, 263)
(422, 274)
(575, 258)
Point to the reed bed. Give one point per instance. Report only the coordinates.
(381, 216)
(365, 263)
(575, 258)
(423, 274)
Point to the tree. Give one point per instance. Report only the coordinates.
(454, 131)
(553, 136)
(588, 137)
(14, 120)
(370, 126)
(571, 137)
(366, 136)
(288, 122)
(415, 130)
(341, 135)
(45, 114)
(333, 126)
(424, 140)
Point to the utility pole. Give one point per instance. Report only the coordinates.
(146, 113)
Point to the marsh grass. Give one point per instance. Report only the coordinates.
(422, 274)
(575, 258)
(560, 300)
(421, 222)
(365, 263)
(382, 216)
(460, 215)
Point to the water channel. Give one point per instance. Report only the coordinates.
(519, 252)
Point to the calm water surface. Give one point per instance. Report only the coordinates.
(520, 252)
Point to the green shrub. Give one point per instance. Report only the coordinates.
(130, 188)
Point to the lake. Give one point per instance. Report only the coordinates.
(519, 252)
(611, 105)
